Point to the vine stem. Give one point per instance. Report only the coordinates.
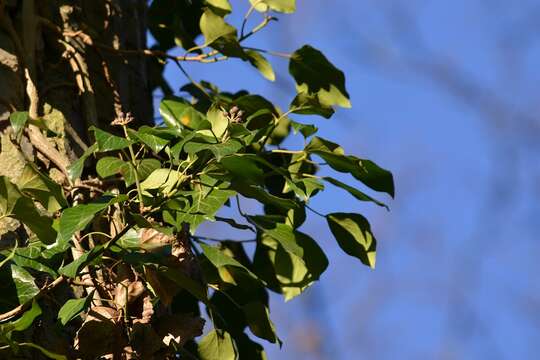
(19, 309)
(134, 163)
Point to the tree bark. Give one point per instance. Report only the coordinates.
(78, 80)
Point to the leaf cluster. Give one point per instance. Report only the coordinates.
(119, 238)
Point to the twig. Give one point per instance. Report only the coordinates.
(206, 58)
(257, 28)
(199, 86)
(248, 13)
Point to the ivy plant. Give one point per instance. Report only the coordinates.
(110, 255)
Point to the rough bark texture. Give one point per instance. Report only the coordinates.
(72, 77)
(49, 69)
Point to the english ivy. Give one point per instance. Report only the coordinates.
(122, 226)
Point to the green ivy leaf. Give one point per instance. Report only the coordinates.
(74, 307)
(231, 146)
(72, 269)
(243, 167)
(78, 217)
(9, 195)
(166, 180)
(109, 142)
(145, 167)
(18, 121)
(31, 257)
(42, 188)
(219, 121)
(204, 207)
(178, 115)
(145, 135)
(214, 27)
(21, 323)
(217, 345)
(17, 286)
(261, 64)
(26, 319)
(75, 169)
(354, 236)
(109, 165)
(41, 225)
(22, 208)
(284, 6)
(284, 271)
(316, 76)
(253, 191)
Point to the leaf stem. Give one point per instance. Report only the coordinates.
(134, 163)
(314, 211)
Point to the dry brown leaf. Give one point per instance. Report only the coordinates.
(154, 240)
(164, 288)
(102, 326)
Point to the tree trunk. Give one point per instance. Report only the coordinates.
(48, 67)
(71, 76)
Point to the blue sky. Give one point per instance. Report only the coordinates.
(456, 253)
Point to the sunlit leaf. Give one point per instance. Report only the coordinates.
(261, 64)
(42, 188)
(315, 75)
(18, 121)
(74, 307)
(204, 207)
(17, 286)
(145, 135)
(163, 179)
(219, 150)
(214, 27)
(223, 5)
(284, 6)
(218, 258)
(309, 104)
(78, 217)
(217, 345)
(178, 115)
(354, 236)
(108, 142)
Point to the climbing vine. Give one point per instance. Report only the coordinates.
(101, 255)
